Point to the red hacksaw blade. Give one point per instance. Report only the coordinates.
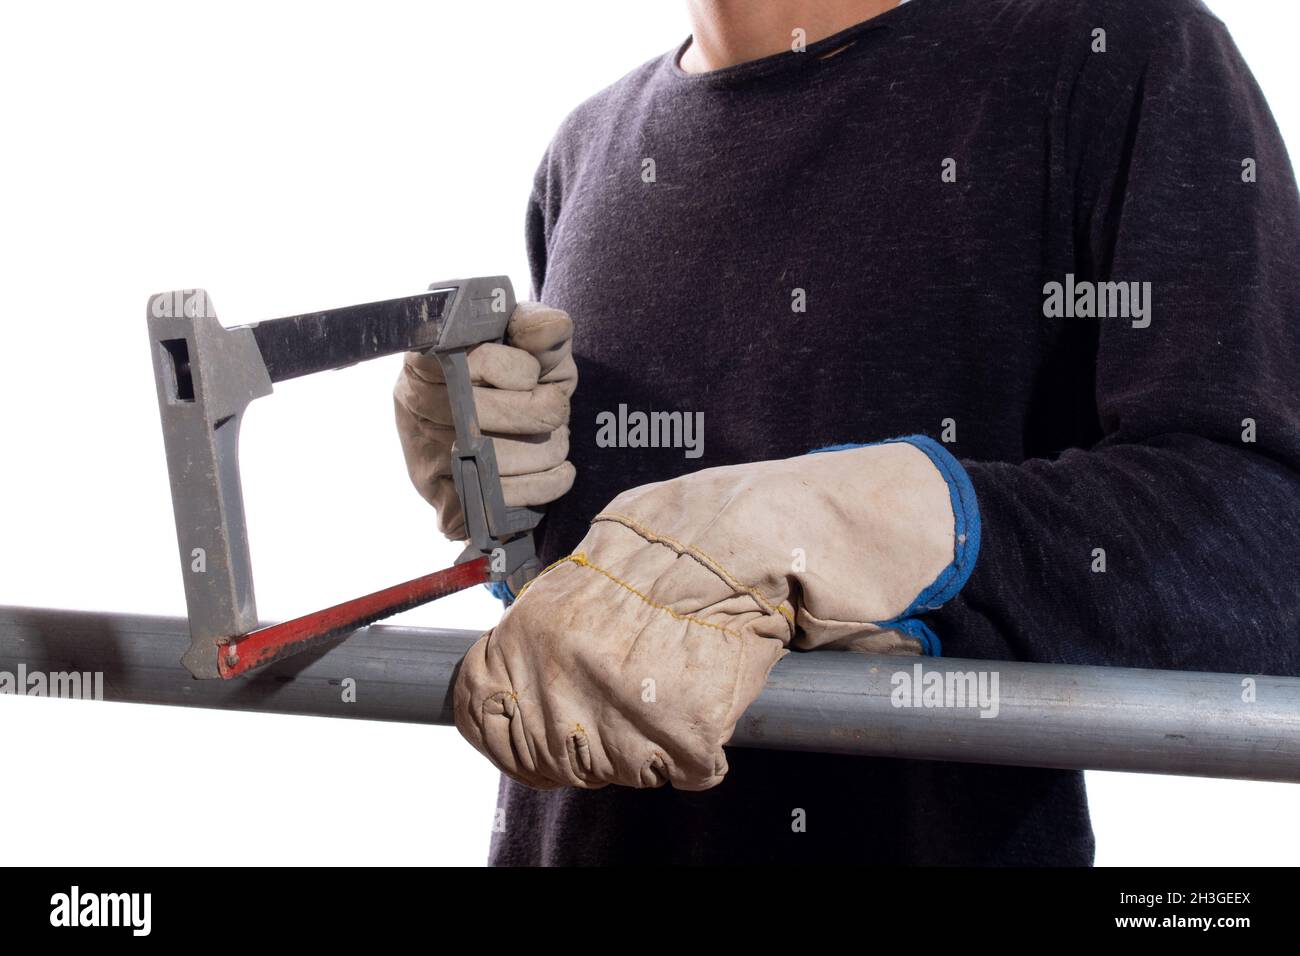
(267, 644)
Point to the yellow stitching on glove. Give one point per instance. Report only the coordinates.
(529, 583)
(709, 562)
(580, 559)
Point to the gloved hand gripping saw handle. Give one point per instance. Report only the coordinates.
(501, 533)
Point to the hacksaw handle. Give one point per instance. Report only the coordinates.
(481, 313)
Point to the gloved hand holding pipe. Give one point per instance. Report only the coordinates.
(630, 660)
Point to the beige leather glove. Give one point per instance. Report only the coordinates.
(521, 394)
(631, 660)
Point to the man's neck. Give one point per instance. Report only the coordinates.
(727, 32)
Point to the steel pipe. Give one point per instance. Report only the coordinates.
(1037, 715)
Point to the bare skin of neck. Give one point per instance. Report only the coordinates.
(727, 32)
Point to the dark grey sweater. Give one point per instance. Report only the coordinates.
(925, 303)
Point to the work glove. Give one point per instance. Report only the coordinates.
(630, 660)
(521, 393)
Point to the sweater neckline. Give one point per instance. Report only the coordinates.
(787, 60)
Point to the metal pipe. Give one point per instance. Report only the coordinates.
(1037, 715)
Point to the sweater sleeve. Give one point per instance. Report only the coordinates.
(535, 228)
(1174, 541)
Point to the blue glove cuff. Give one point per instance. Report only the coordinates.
(966, 515)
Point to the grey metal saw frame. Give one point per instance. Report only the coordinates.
(207, 375)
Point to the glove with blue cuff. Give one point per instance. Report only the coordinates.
(630, 660)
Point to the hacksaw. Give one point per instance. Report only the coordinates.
(207, 375)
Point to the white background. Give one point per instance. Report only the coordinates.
(287, 157)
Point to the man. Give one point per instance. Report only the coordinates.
(1051, 244)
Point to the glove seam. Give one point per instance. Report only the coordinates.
(580, 559)
(708, 562)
